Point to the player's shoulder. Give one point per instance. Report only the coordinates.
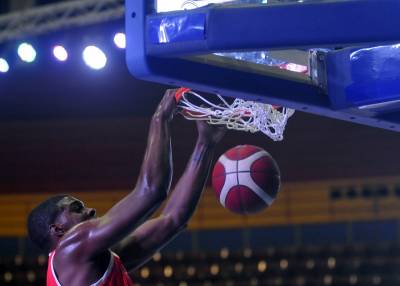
(76, 256)
(74, 242)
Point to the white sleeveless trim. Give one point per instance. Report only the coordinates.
(52, 269)
(98, 283)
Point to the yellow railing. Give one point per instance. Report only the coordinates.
(297, 203)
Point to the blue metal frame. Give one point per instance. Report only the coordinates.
(362, 77)
(301, 25)
(217, 29)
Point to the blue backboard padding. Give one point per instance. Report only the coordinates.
(364, 93)
(290, 25)
(375, 21)
(304, 25)
(358, 77)
(178, 28)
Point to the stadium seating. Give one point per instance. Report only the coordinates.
(336, 265)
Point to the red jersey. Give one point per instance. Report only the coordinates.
(115, 274)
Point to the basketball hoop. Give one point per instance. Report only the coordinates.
(240, 115)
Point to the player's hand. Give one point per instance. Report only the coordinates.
(210, 134)
(167, 107)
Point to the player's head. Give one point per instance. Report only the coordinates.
(51, 219)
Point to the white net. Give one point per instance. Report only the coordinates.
(240, 115)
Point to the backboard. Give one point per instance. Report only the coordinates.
(332, 58)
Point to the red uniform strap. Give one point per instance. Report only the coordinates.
(115, 275)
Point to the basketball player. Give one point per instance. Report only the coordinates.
(85, 250)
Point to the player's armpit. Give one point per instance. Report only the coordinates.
(147, 239)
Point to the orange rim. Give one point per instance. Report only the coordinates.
(179, 93)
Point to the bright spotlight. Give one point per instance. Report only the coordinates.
(120, 40)
(60, 53)
(4, 67)
(26, 52)
(94, 57)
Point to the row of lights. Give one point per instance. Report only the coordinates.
(215, 268)
(224, 254)
(299, 281)
(168, 270)
(92, 55)
(353, 279)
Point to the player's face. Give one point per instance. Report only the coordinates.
(74, 212)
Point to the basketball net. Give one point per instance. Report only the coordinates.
(240, 115)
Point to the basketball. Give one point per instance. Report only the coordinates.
(246, 179)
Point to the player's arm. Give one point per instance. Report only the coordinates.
(96, 235)
(137, 248)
